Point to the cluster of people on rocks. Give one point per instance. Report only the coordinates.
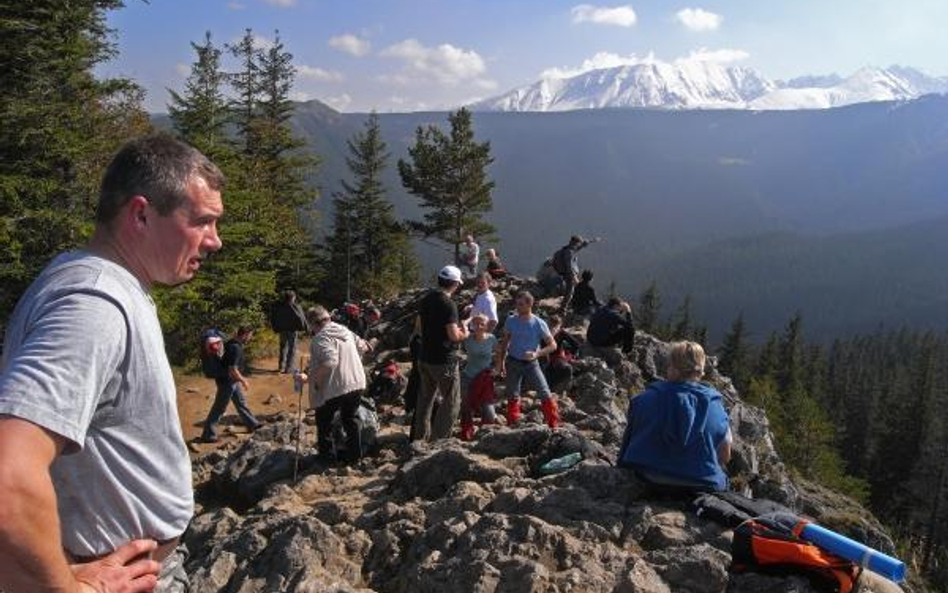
(95, 478)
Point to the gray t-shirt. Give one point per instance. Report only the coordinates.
(84, 357)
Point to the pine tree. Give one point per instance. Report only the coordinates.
(682, 329)
(734, 355)
(790, 371)
(246, 84)
(448, 174)
(370, 253)
(200, 114)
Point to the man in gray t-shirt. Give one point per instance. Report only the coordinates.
(96, 481)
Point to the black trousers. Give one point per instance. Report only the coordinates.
(347, 405)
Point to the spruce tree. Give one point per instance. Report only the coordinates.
(734, 356)
(61, 125)
(682, 328)
(448, 174)
(648, 309)
(370, 254)
(199, 114)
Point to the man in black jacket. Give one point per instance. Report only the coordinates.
(287, 318)
(610, 329)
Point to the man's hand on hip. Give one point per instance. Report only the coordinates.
(126, 570)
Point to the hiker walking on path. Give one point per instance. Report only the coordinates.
(441, 332)
(336, 381)
(286, 319)
(96, 481)
(231, 387)
(468, 257)
(526, 339)
(678, 433)
(566, 264)
(477, 379)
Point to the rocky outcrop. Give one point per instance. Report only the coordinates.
(479, 516)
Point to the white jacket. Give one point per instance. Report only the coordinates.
(337, 347)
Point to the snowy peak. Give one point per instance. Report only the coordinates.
(692, 84)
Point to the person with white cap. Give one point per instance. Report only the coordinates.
(441, 332)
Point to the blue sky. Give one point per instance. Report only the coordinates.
(404, 55)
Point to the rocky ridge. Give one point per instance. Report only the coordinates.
(478, 516)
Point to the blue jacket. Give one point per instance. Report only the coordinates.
(674, 429)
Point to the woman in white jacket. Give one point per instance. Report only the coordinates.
(336, 381)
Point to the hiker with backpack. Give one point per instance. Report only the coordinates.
(611, 332)
(526, 340)
(477, 378)
(286, 319)
(678, 434)
(231, 386)
(336, 382)
(96, 485)
(441, 333)
(566, 264)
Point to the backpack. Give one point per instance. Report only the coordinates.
(563, 260)
(212, 354)
(367, 419)
(770, 543)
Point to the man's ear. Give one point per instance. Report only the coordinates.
(137, 212)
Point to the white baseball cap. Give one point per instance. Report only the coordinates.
(451, 273)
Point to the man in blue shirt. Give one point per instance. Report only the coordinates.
(678, 433)
(526, 339)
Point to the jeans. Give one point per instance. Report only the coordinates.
(228, 392)
(520, 370)
(437, 379)
(172, 578)
(348, 406)
(287, 351)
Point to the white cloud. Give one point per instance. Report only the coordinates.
(697, 19)
(340, 102)
(281, 3)
(622, 16)
(610, 60)
(350, 44)
(318, 74)
(300, 96)
(236, 6)
(182, 69)
(444, 64)
(721, 56)
(601, 60)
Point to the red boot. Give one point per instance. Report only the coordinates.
(467, 430)
(513, 411)
(551, 412)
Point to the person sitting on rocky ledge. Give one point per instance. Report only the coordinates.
(584, 300)
(494, 267)
(611, 332)
(678, 433)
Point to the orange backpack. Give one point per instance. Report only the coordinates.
(771, 543)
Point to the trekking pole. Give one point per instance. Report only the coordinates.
(299, 420)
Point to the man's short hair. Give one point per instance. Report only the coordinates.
(524, 294)
(289, 296)
(575, 239)
(614, 302)
(317, 314)
(587, 275)
(158, 167)
(687, 358)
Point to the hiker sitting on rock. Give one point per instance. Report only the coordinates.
(610, 330)
(678, 433)
(558, 369)
(526, 339)
(336, 381)
(494, 267)
(477, 379)
(584, 301)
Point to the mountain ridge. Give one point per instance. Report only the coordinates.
(694, 84)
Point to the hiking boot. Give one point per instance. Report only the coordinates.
(513, 411)
(209, 438)
(551, 412)
(467, 430)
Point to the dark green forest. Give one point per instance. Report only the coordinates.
(864, 415)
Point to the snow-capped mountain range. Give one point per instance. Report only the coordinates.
(712, 85)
